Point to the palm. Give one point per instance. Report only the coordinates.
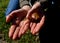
(36, 26)
(16, 27)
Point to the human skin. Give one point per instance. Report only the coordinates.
(17, 30)
(16, 18)
(35, 27)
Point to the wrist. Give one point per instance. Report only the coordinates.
(26, 8)
(37, 4)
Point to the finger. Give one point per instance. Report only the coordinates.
(15, 35)
(17, 21)
(20, 34)
(11, 30)
(13, 27)
(31, 24)
(35, 7)
(22, 22)
(12, 15)
(29, 14)
(20, 31)
(39, 25)
(25, 28)
(22, 27)
(33, 27)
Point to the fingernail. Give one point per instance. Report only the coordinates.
(10, 35)
(19, 35)
(13, 38)
(33, 33)
(22, 32)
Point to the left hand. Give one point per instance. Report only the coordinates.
(17, 30)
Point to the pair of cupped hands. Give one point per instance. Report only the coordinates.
(22, 21)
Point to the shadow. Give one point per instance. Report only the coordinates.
(50, 30)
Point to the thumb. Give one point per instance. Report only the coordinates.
(29, 14)
(10, 16)
(34, 8)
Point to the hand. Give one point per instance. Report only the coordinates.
(17, 16)
(36, 26)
